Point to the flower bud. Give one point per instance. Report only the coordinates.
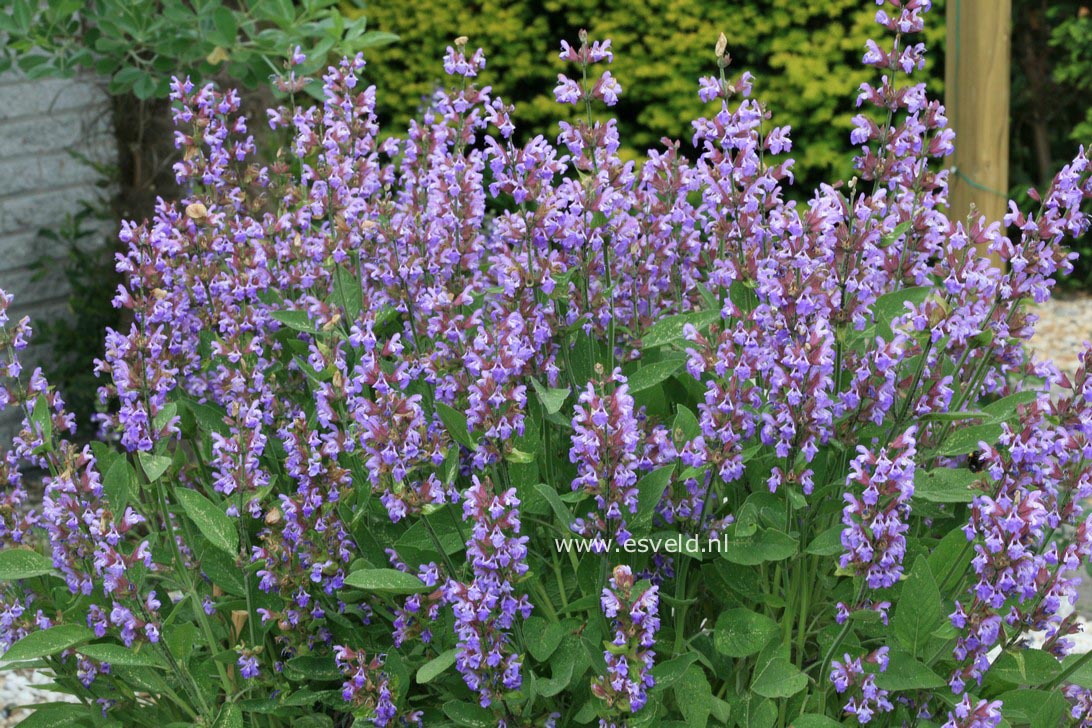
(623, 577)
(238, 621)
(722, 45)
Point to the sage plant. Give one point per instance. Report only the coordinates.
(446, 427)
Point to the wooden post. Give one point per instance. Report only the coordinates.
(977, 89)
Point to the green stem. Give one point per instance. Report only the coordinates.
(185, 574)
(680, 611)
(834, 648)
(547, 603)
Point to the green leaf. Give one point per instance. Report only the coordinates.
(519, 457)
(434, 667)
(226, 27)
(742, 294)
(1082, 676)
(585, 352)
(894, 235)
(386, 581)
(468, 714)
(221, 569)
(121, 655)
(374, 39)
(145, 86)
(742, 633)
(231, 716)
(450, 468)
(551, 399)
(694, 696)
(778, 678)
(892, 305)
(281, 12)
(827, 543)
(56, 715)
(918, 611)
(966, 440)
(455, 422)
(650, 375)
(179, 640)
(558, 506)
(210, 519)
(209, 417)
(1035, 708)
(1029, 668)
(945, 485)
(669, 329)
(650, 491)
(569, 661)
(1005, 408)
(154, 465)
(302, 698)
(119, 483)
(541, 637)
(348, 292)
(312, 667)
(296, 320)
(44, 643)
(905, 673)
(668, 673)
(42, 419)
(814, 720)
(951, 553)
(766, 545)
(685, 427)
(18, 563)
(751, 711)
(952, 416)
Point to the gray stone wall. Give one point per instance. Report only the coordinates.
(43, 125)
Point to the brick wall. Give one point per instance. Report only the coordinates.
(42, 122)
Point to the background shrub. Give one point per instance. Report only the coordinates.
(805, 57)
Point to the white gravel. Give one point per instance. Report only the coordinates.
(23, 687)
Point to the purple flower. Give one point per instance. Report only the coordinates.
(876, 511)
(866, 699)
(629, 656)
(980, 714)
(604, 449)
(367, 687)
(248, 666)
(568, 91)
(487, 606)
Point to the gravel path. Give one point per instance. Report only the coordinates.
(23, 687)
(1064, 325)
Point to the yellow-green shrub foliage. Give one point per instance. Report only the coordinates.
(804, 54)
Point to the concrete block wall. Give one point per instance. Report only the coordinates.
(42, 123)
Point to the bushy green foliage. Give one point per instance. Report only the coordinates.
(140, 44)
(1051, 99)
(1071, 40)
(805, 57)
